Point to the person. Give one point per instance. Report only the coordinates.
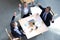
(16, 32)
(45, 14)
(32, 4)
(19, 7)
(25, 10)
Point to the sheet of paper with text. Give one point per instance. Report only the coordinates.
(35, 10)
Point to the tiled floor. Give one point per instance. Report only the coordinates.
(7, 7)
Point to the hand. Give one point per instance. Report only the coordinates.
(19, 5)
(52, 21)
(14, 14)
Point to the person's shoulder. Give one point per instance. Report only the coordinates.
(49, 14)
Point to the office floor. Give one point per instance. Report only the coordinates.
(8, 7)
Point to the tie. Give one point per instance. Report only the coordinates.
(44, 16)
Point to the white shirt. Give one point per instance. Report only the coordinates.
(16, 29)
(26, 11)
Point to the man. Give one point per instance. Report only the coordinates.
(16, 32)
(25, 10)
(46, 15)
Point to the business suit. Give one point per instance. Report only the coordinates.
(14, 33)
(48, 17)
(22, 12)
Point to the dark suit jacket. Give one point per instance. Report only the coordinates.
(14, 33)
(49, 17)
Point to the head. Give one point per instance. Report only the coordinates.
(25, 4)
(13, 24)
(48, 9)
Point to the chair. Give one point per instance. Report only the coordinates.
(27, 1)
(10, 35)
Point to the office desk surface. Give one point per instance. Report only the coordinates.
(24, 22)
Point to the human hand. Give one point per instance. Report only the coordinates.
(19, 5)
(14, 14)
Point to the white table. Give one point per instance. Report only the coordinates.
(24, 22)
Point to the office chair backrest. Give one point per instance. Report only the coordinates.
(52, 15)
(27, 1)
(8, 34)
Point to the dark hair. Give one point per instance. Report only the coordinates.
(12, 24)
(49, 8)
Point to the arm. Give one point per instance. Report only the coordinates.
(40, 6)
(50, 17)
(13, 16)
(19, 7)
